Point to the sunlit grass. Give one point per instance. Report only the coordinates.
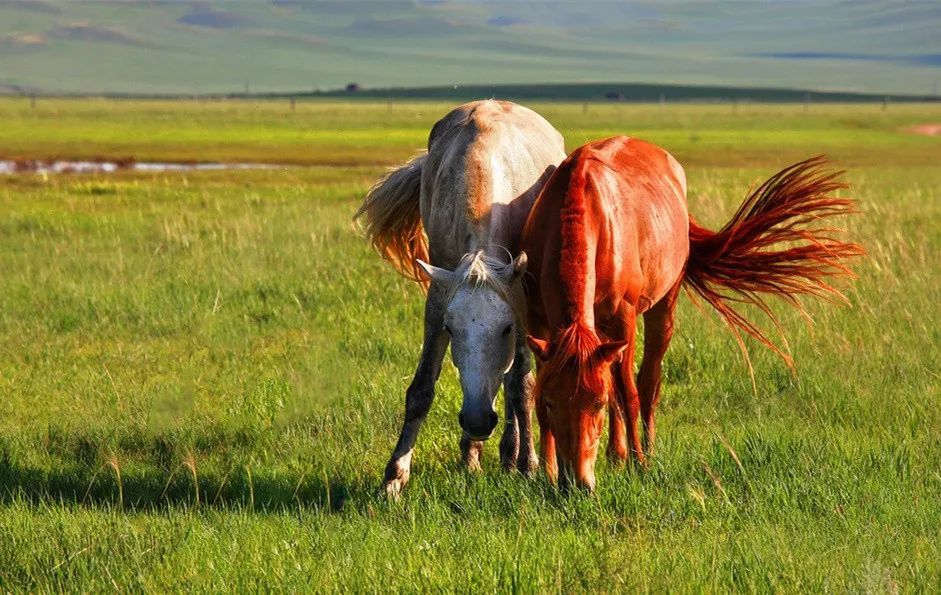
(202, 376)
(384, 133)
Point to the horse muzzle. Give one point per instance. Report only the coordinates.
(581, 478)
(478, 425)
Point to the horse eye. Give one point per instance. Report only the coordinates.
(507, 330)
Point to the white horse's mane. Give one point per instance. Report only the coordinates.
(477, 270)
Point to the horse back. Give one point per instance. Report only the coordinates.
(610, 229)
(487, 162)
(641, 195)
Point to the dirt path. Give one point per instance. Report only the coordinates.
(926, 129)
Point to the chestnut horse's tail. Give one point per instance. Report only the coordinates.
(772, 246)
(393, 219)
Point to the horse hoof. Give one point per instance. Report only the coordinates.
(395, 480)
(393, 489)
(617, 457)
(527, 466)
(640, 462)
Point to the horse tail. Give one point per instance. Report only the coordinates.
(772, 247)
(393, 219)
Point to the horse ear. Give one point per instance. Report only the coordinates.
(435, 274)
(610, 352)
(539, 347)
(519, 265)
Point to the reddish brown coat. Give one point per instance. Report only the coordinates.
(610, 239)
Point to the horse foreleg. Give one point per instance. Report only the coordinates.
(418, 397)
(509, 442)
(658, 330)
(624, 405)
(470, 452)
(547, 442)
(617, 432)
(518, 393)
(625, 388)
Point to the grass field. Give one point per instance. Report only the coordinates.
(202, 375)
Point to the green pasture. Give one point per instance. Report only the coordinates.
(202, 374)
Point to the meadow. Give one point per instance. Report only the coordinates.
(202, 374)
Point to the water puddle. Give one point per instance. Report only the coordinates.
(18, 166)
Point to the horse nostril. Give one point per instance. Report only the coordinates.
(460, 420)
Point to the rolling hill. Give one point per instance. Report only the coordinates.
(163, 47)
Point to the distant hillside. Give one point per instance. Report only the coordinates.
(161, 46)
(615, 92)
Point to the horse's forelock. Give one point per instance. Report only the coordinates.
(572, 348)
(478, 270)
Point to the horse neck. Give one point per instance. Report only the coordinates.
(577, 250)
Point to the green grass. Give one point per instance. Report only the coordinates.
(202, 375)
(385, 133)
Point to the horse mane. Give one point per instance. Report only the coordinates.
(478, 270)
(573, 346)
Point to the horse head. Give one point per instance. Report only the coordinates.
(572, 390)
(484, 318)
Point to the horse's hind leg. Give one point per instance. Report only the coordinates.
(658, 330)
(419, 395)
(516, 447)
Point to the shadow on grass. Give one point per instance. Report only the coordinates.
(217, 467)
(244, 488)
(230, 480)
(240, 488)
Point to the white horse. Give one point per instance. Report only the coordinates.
(470, 194)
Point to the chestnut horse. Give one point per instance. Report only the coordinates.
(462, 206)
(610, 239)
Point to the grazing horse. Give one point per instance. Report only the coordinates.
(470, 194)
(610, 239)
